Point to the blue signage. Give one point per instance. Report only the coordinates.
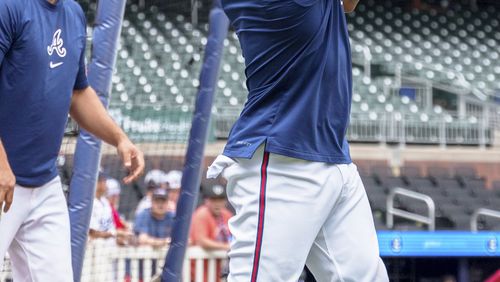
(439, 244)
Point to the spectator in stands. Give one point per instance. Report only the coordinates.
(101, 222)
(174, 178)
(153, 225)
(209, 228)
(113, 190)
(123, 230)
(153, 179)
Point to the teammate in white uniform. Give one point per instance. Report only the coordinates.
(298, 197)
(42, 79)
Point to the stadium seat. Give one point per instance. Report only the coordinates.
(156, 45)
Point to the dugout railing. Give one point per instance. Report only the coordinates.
(392, 211)
(482, 212)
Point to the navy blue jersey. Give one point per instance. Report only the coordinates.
(298, 68)
(41, 61)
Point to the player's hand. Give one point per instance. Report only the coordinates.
(132, 158)
(7, 183)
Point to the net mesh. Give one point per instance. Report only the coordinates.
(153, 94)
(154, 87)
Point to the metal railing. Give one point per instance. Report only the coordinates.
(443, 78)
(406, 129)
(483, 212)
(361, 55)
(430, 220)
(398, 128)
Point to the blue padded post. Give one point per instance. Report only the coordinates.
(218, 27)
(87, 155)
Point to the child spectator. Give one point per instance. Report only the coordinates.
(173, 178)
(124, 234)
(153, 179)
(153, 226)
(101, 221)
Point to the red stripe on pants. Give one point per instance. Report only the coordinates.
(262, 209)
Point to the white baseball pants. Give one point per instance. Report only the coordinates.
(36, 233)
(291, 213)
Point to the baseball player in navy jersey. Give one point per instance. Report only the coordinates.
(298, 197)
(42, 79)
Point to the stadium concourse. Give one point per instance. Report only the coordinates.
(425, 119)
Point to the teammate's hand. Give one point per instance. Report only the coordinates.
(133, 160)
(7, 183)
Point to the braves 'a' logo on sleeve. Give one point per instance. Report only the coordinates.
(57, 45)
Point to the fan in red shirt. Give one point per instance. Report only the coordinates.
(209, 228)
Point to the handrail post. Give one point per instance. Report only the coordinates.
(485, 212)
(391, 211)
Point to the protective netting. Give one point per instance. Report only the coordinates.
(157, 78)
(153, 94)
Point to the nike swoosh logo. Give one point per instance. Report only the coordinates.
(53, 65)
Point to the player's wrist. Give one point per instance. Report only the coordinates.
(4, 165)
(4, 162)
(121, 139)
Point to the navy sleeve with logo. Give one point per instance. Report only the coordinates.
(81, 81)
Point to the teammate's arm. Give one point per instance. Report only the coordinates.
(350, 5)
(7, 180)
(88, 111)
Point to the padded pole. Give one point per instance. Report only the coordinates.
(218, 27)
(87, 155)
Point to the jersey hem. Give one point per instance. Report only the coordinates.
(272, 148)
(333, 159)
(39, 182)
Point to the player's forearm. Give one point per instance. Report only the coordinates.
(350, 5)
(4, 161)
(212, 245)
(7, 181)
(88, 111)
